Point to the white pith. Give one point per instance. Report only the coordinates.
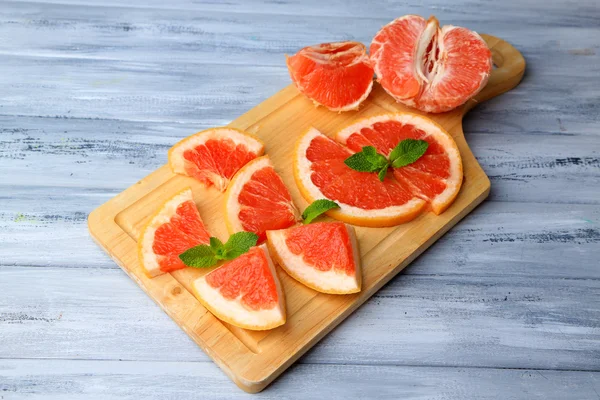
(331, 281)
(232, 205)
(149, 258)
(304, 173)
(177, 161)
(234, 312)
(431, 129)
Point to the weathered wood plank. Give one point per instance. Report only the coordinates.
(499, 321)
(106, 380)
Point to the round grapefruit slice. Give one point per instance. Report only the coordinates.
(364, 200)
(436, 177)
(427, 67)
(257, 200)
(244, 292)
(213, 156)
(336, 75)
(323, 256)
(174, 228)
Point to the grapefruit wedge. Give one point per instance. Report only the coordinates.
(436, 178)
(173, 229)
(213, 156)
(323, 256)
(257, 200)
(336, 75)
(428, 67)
(244, 292)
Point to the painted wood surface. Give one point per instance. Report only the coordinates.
(93, 93)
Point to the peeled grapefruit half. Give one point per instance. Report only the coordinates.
(213, 156)
(323, 256)
(336, 75)
(257, 200)
(435, 178)
(244, 292)
(174, 228)
(427, 67)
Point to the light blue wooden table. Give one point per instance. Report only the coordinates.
(93, 93)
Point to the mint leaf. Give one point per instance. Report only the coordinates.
(407, 152)
(201, 256)
(215, 243)
(238, 244)
(382, 173)
(359, 162)
(376, 159)
(317, 208)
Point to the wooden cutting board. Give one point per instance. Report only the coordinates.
(253, 359)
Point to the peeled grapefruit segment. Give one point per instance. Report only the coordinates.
(213, 156)
(427, 67)
(174, 228)
(257, 200)
(244, 292)
(364, 200)
(323, 256)
(336, 75)
(436, 177)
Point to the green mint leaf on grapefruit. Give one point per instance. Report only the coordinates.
(238, 244)
(407, 152)
(317, 208)
(202, 256)
(359, 162)
(382, 173)
(367, 160)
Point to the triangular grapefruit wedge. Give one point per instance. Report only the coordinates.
(173, 229)
(213, 156)
(244, 292)
(323, 256)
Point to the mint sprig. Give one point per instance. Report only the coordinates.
(407, 152)
(368, 160)
(204, 256)
(317, 208)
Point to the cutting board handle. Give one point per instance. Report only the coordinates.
(509, 67)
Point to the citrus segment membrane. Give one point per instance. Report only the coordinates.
(323, 256)
(244, 292)
(213, 156)
(257, 200)
(336, 75)
(427, 67)
(174, 228)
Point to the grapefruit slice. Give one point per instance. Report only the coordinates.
(336, 75)
(244, 292)
(213, 156)
(257, 200)
(364, 200)
(323, 256)
(427, 67)
(436, 177)
(174, 228)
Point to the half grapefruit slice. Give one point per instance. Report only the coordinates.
(336, 75)
(257, 200)
(436, 177)
(364, 200)
(213, 156)
(174, 228)
(244, 292)
(427, 67)
(323, 256)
